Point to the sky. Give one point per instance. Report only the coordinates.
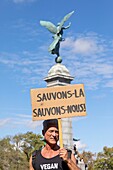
(87, 52)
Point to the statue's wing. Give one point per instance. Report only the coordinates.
(50, 26)
(64, 20)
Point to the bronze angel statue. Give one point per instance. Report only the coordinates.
(57, 32)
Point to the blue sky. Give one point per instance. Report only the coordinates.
(87, 52)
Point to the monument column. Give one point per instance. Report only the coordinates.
(59, 75)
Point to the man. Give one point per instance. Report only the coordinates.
(51, 156)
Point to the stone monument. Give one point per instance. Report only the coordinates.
(59, 75)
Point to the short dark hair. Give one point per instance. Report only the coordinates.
(50, 123)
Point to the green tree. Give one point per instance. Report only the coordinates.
(88, 158)
(15, 151)
(104, 159)
(5, 151)
(27, 143)
(8, 155)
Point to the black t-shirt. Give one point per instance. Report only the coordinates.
(55, 163)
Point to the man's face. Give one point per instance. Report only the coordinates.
(52, 135)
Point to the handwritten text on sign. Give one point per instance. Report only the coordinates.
(58, 102)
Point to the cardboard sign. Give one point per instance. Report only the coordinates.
(58, 102)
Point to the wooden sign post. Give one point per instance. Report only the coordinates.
(58, 102)
(60, 132)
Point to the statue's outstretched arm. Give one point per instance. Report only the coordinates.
(64, 20)
(66, 27)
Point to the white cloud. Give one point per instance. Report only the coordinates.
(34, 124)
(89, 54)
(29, 66)
(109, 84)
(104, 69)
(91, 57)
(26, 120)
(23, 116)
(84, 45)
(80, 146)
(20, 121)
(23, 1)
(4, 122)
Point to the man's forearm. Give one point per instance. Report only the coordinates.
(72, 165)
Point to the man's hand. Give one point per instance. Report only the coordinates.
(71, 162)
(63, 154)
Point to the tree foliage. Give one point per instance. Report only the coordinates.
(27, 143)
(88, 158)
(104, 159)
(15, 151)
